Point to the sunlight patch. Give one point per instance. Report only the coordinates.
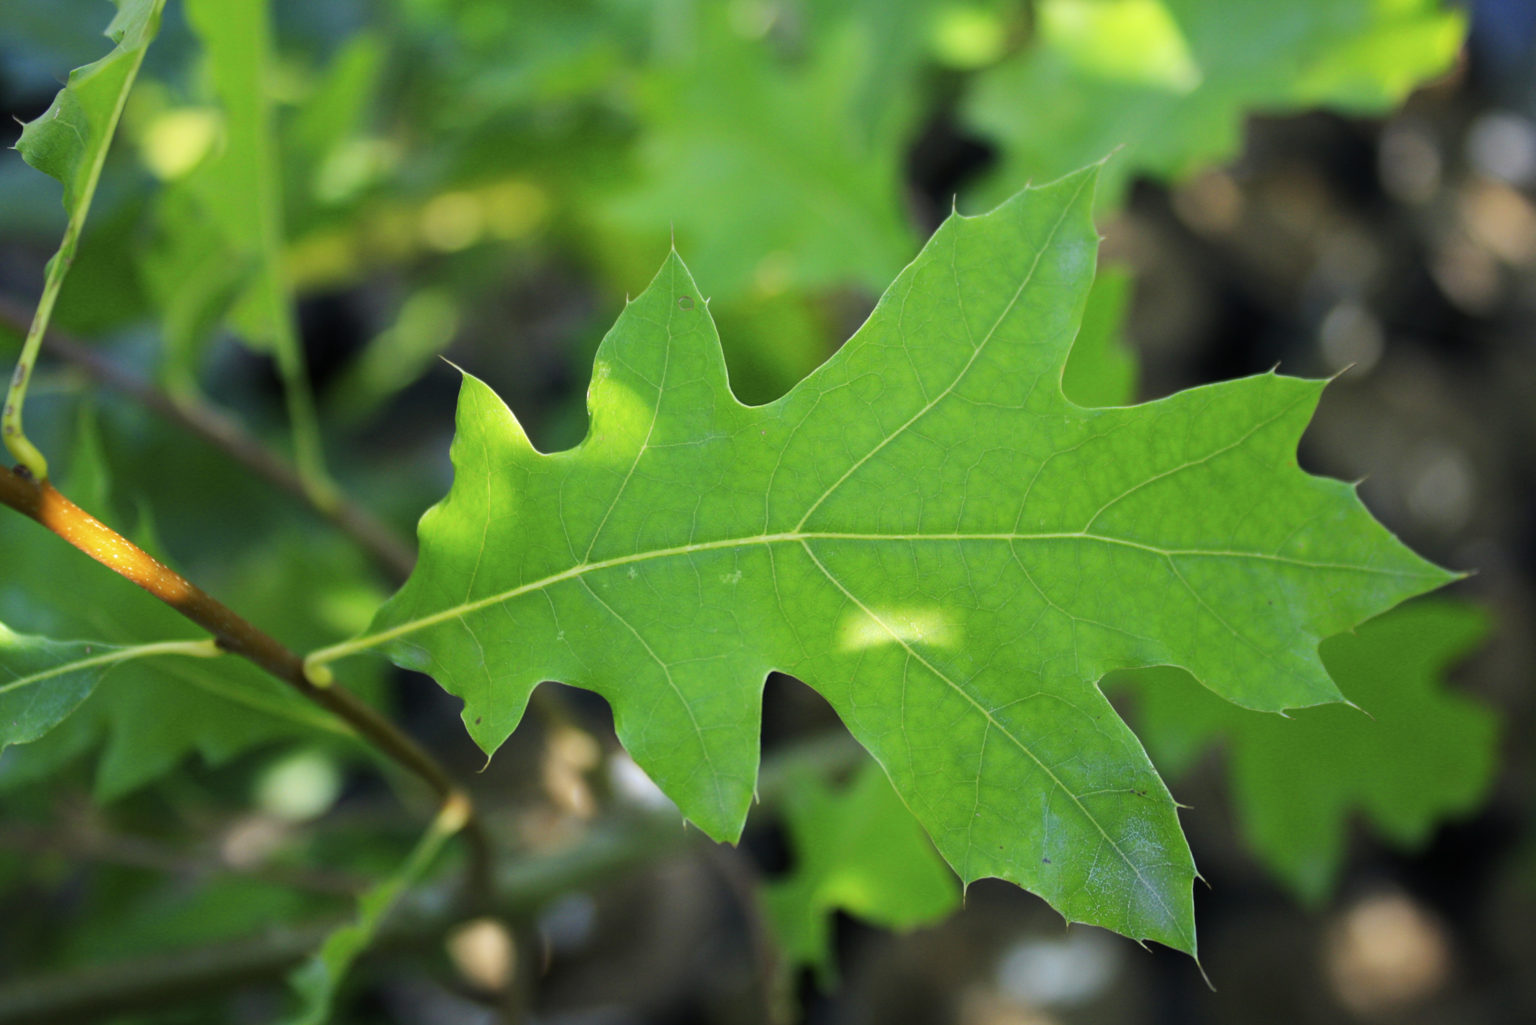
(926, 626)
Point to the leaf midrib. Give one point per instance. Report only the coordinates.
(111, 656)
(370, 641)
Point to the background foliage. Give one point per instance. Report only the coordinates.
(488, 180)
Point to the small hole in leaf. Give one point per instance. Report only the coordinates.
(685, 302)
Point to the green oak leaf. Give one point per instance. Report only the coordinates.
(1170, 81)
(856, 849)
(1416, 755)
(928, 532)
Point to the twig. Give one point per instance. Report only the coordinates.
(77, 842)
(200, 419)
(45, 504)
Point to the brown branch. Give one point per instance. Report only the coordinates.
(200, 419)
(45, 504)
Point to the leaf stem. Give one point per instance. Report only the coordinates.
(78, 196)
(42, 502)
(320, 977)
(387, 548)
(308, 452)
(80, 841)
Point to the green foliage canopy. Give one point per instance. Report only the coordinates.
(1170, 81)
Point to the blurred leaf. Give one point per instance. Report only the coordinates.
(1170, 81)
(801, 154)
(856, 849)
(925, 530)
(195, 276)
(322, 161)
(496, 55)
(98, 296)
(180, 913)
(1416, 755)
(423, 329)
(239, 187)
(218, 249)
(787, 124)
(774, 341)
(150, 715)
(69, 141)
(317, 980)
(42, 681)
